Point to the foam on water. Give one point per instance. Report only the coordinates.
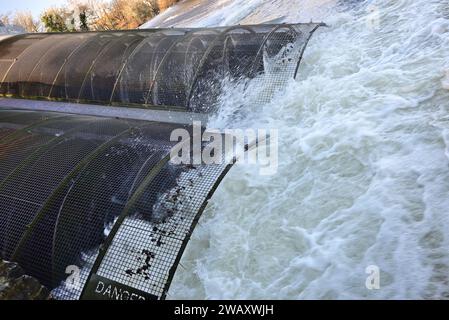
(363, 170)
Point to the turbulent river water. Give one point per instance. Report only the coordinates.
(363, 175)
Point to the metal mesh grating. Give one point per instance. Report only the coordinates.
(145, 251)
(99, 193)
(163, 68)
(65, 180)
(63, 152)
(14, 120)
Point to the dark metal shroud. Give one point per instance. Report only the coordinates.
(174, 68)
(100, 193)
(71, 185)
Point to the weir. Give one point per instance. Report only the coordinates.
(90, 203)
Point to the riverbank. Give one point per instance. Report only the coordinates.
(15, 285)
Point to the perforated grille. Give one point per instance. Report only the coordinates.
(148, 245)
(65, 181)
(99, 193)
(165, 68)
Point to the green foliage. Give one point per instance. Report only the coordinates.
(83, 21)
(54, 21)
(83, 16)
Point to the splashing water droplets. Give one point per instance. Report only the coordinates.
(363, 169)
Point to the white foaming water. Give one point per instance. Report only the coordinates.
(363, 173)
